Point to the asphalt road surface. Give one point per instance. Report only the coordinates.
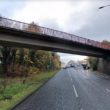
(71, 89)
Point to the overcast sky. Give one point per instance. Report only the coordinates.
(79, 17)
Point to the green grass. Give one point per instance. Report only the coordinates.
(15, 91)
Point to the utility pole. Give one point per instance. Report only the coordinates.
(103, 6)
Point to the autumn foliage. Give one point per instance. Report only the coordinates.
(24, 62)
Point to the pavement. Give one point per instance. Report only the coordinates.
(71, 89)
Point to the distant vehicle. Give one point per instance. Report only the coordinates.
(72, 66)
(85, 66)
(64, 67)
(68, 66)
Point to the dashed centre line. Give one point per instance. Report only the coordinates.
(75, 91)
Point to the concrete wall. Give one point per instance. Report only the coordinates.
(104, 65)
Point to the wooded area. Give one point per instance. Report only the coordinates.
(24, 62)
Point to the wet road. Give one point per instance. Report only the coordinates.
(71, 89)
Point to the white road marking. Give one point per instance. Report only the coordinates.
(81, 109)
(108, 90)
(75, 91)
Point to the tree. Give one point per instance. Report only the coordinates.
(21, 56)
(33, 27)
(93, 61)
(8, 57)
(56, 61)
(32, 56)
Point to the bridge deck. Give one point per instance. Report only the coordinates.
(32, 28)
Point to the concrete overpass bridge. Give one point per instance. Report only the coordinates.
(19, 34)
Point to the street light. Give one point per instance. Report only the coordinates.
(103, 6)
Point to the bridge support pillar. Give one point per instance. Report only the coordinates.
(104, 65)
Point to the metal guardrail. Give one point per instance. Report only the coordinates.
(32, 28)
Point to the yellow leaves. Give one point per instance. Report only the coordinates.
(33, 28)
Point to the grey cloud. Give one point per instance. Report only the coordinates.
(91, 23)
(7, 8)
(50, 23)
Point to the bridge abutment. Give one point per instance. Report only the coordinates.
(104, 65)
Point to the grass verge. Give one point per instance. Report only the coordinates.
(16, 90)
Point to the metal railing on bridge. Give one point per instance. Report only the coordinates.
(32, 28)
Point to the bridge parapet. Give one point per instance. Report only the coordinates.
(9, 23)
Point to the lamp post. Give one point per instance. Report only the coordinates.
(103, 6)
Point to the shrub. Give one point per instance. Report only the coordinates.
(33, 70)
